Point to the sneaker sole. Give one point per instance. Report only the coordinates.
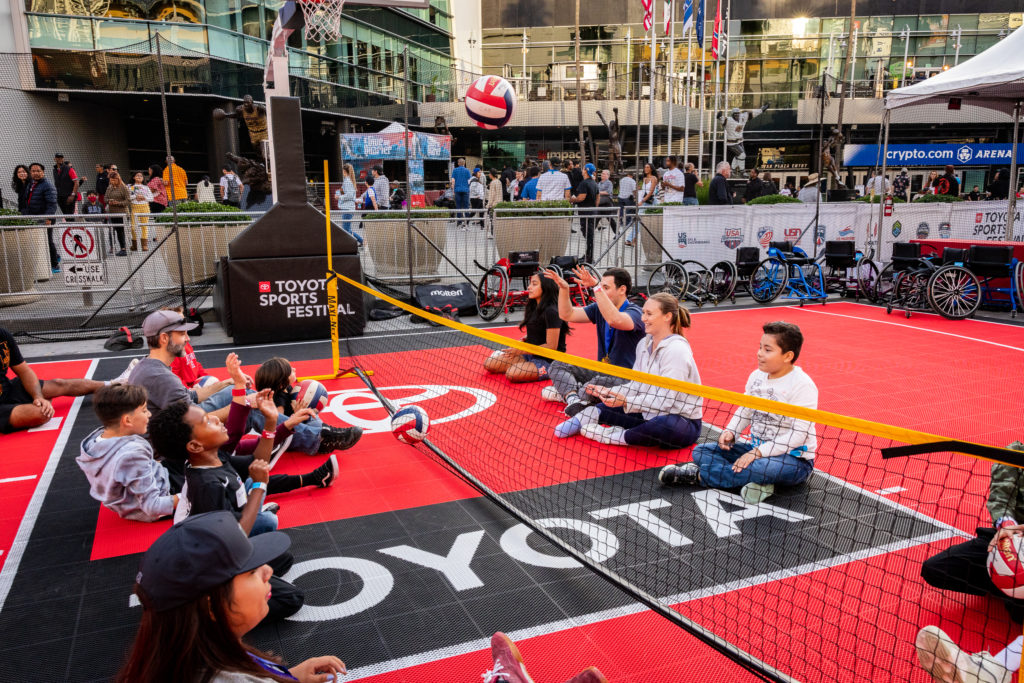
(279, 450)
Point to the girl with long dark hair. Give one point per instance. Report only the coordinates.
(18, 182)
(543, 328)
(640, 414)
(203, 585)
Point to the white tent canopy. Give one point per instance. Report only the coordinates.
(992, 79)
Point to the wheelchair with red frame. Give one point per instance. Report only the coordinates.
(495, 294)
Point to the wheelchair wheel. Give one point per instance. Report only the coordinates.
(588, 294)
(668, 277)
(867, 280)
(954, 292)
(1018, 285)
(556, 269)
(723, 281)
(491, 293)
(699, 282)
(884, 284)
(768, 280)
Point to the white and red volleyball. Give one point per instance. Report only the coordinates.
(490, 102)
(1006, 566)
(310, 394)
(410, 424)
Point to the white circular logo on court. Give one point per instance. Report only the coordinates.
(443, 403)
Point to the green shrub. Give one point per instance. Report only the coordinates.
(399, 215)
(873, 199)
(658, 209)
(20, 220)
(774, 199)
(702, 191)
(193, 211)
(937, 199)
(553, 207)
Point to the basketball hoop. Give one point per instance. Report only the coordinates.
(323, 19)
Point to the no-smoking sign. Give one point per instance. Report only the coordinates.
(79, 243)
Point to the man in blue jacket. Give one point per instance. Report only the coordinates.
(719, 192)
(460, 185)
(41, 200)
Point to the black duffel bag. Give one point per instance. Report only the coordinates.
(460, 296)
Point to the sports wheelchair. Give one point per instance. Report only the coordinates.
(930, 283)
(787, 269)
(495, 295)
(847, 270)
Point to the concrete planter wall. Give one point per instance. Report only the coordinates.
(388, 242)
(20, 254)
(652, 252)
(201, 247)
(525, 233)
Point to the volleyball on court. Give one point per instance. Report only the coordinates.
(1005, 566)
(410, 424)
(490, 102)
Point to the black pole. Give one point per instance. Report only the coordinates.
(408, 177)
(170, 170)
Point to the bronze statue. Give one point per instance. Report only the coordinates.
(829, 156)
(614, 142)
(254, 115)
(253, 175)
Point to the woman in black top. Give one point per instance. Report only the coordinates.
(543, 328)
(18, 183)
(692, 183)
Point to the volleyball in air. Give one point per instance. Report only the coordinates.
(490, 102)
(410, 424)
(1006, 566)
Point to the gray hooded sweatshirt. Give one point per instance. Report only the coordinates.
(124, 476)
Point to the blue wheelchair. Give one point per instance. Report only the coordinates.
(789, 272)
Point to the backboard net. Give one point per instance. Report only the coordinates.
(323, 19)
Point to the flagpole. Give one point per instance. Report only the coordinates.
(723, 42)
(699, 25)
(670, 85)
(714, 116)
(689, 92)
(650, 105)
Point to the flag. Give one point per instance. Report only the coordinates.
(687, 16)
(668, 16)
(648, 13)
(716, 31)
(700, 23)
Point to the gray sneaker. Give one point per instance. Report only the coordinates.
(754, 493)
(945, 662)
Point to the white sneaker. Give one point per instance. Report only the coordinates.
(123, 377)
(754, 493)
(549, 393)
(947, 663)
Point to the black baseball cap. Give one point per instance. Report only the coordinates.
(201, 553)
(58, 155)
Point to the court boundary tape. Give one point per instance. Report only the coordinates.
(35, 504)
(846, 422)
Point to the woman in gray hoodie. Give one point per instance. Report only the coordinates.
(641, 414)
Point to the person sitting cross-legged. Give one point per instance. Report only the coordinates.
(640, 414)
(780, 449)
(619, 326)
(25, 400)
(543, 328)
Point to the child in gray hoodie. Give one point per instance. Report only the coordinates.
(118, 460)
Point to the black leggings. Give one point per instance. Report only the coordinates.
(277, 483)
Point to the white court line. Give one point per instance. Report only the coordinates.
(889, 491)
(28, 520)
(13, 479)
(936, 315)
(48, 426)
(911, 327)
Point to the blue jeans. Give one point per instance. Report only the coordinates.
(690, 201)
(346, 225)
(663, 431)
(305, 436)
(716, 467)
(461, 202)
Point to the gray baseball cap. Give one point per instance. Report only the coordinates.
(201, 553)
(165, 321)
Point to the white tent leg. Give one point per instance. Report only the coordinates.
(1012, 204)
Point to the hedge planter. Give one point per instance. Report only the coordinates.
(388, 243)
(201, 248)
(652, 252)
(523, 232)
(21, 253)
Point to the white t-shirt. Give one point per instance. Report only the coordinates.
(552, 185)
(224, 182)
(775, 434)
(785, 192)
(878, 185)
(676, 177)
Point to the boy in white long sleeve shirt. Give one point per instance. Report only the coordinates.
(779, 449)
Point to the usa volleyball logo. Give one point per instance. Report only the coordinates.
(732, 238)
(682, 239)
(764, 236)
(490, 102)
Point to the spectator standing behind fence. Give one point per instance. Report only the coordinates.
(948, 183)
(513, 187)
(719, 193)
(66, 182)
(507, 176)
(627, 200)
(604, 199)
(177, 190)
(552, 184)
(788, 190)
(810, 192)
(879, 185)
(494, 197)
(900, 184)
(768, 186)
(141, 197)
(755, 186)
(40, 199)
(230, 187)
(529, 191)
(460, 185)
(382, 188)
(477, 194)
(119, 205)
(673, 182)
(102, 182)
(159, 190)
(586, 199)
(346, 200)
(648, 197)
(204, 190)
(18, 183)
(692, 183)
